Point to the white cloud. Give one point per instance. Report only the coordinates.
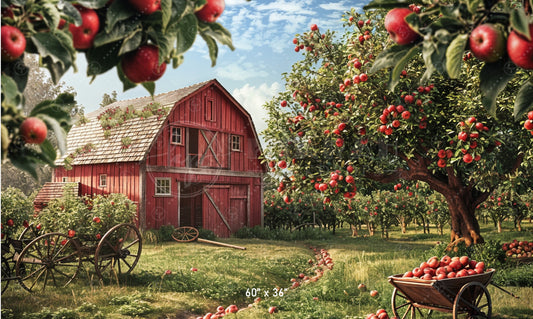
(334, 6)
(240, 71)
(252, 98)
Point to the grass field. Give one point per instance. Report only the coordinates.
(227, 276)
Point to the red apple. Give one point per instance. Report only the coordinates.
(13, 43)
(399, 30)
(83, 35)
(487, 43)
(362, 287)
(464, 260)
(211, 11)
(520, 49)
(142, 65)
(71, 233)
(374, 293)
(232, 309)
(33, 130)
(146, 7)
(272, 309)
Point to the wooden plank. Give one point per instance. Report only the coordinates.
(217, 209)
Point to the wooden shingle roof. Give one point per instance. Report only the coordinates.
(141, 131)
(52, 190)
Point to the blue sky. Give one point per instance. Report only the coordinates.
(262, 32)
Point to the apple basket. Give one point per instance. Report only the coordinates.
(457, 295)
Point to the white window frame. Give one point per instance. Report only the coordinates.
(160, 190)
(102, 180)
(239, 141)
(180, 135)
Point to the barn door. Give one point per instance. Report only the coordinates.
(216, 202)
(211, 150)
(238, 208)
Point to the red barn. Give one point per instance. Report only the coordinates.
(187, 158)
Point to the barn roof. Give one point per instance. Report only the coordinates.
(87, 143)
(53, 190)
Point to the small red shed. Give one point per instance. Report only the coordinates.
(187, 158)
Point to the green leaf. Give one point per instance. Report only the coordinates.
(18, 72)
(121, 31)
(473, 5)
(93, 4)
(493, 79)
(389, 57)
(454, 55)
(524, 99)
(187, 28)
(213, 48)
(59, 131)
(51, 15)
(103, 58)
(520, 22)
(117, 12)
(70, 11)
(10, 93)
(49, 45)
(219, 33)
(400, 65)
(150, 87)
(48, 150)
(166, 9)
(131, 42)
(428, 49)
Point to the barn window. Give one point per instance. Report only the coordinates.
(103, 180)
(236, 143)
(210, 110)
(176, 135)
(162, 187)
(64, 179)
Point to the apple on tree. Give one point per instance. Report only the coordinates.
(142, 65)
(33, 130)
(211, 11)
(520, 49)
(13, 43)
(146, 7)
(83, 35)
(487, 43)
(398, 29)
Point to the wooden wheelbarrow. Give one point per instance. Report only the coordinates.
(188, 234)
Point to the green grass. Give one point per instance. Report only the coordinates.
(229, 276)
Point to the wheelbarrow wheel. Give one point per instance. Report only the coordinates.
(402, 307)
(118, 251)
(472, 301)
(185, 234)
(50, 259)
(6, 273)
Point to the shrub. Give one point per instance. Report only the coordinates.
(16, 208)
(165, 233)
(206, 234)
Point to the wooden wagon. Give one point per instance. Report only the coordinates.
(56, 258)
(413, 297)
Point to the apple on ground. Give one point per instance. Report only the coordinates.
(13, 43)
(142, 65)
(272, 309)
(487, 42)
(83, 35)
(33, 130)
(211, 11)
(374, 293)
(398, 29)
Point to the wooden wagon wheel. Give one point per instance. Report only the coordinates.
(185, 234)
(6, 273)
(473, 300)
(119, 250)
(28, 234)
(52, 258)
(403, 308)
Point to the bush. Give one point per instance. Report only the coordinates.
(16, 209)
(206, 234)
(165, 233)
(89, 217)
(521, 276)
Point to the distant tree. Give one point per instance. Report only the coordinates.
(108, 99)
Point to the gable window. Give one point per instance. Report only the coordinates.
(236, 143)
(103, 180)
(210, 110)
(162, 186)
(176, 135)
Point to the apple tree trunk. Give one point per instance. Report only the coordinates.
(464, 223)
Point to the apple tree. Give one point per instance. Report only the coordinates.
(339, 127)
(137, 38)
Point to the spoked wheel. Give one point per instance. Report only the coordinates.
(118, 251)
(403, 308)
(50, 259)
(185, 234)
(6, 273)
(28, 234)
(472, 301)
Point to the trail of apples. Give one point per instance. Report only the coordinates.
(322, 263)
